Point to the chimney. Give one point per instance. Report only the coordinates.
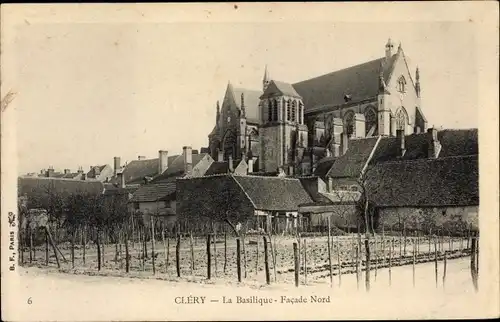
(162, 161)
(434, 146)
(121, 180)
(250, 165)
(220, 156)
(50, 172)
(188, 160)
(66, 171)
(141, 157)
(401, 142)
(80, 170)
(230, 164)
(116, 164)
(84, 176)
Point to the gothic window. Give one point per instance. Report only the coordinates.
(288, 111)
(294, 111)
(349, 124)
(370, 122)
(401, 84)
(275, 110)
(401, 119)
(270, 111)
(301, 113)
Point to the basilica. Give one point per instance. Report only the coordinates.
(290, 127)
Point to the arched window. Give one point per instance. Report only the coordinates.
(301, 113)
(401, 120)
(275, 110)
(288, 115)
(294, 111)
(349, 124)
(270, 111)
(402, 84)
(370, 122)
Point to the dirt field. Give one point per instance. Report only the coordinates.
(80, 297)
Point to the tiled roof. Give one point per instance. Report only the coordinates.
(155, 192)
(450, 181)
(352, 162)
(136, 170)
(176, 167)
(360, 81)
(111, 189)
(252, 101)
(274, 193)
(280, 88)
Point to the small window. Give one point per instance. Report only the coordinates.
(402, 84)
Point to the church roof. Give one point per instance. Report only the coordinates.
(252, 101)
(280, 88)
(449, 181)
(361, 81)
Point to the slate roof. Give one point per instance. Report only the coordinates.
(39, 187)
(274, 193)
(323, 166)
(176, 167)
(155, 192)
(361, 81)
(449, 181)
(352, 162)
(280, 88)
(311, 185)
(453, 143)
(221, 167)
(252, 101)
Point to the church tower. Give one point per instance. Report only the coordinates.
(265, 80)
(282, 130)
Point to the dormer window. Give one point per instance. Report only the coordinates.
(401, 84)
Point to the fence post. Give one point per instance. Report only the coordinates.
(367, 271)
(192, 252)
(53, 246)
(84, 237)
(391, 247)
(436, 260)
(375, 251)
(257, 258)
(31, 245)
(153, 244)
(266, 261)
(296, 262)
(127, 259)
(330, 254)
(225, 250)
(414, 259)
(444, 270)
(73, 249)
(339, 261)
(209, 257)
(238, 258)
(214, 241)
(473, 262)
(305, 261)
(357, 267)
(47, 250)
(178, 255)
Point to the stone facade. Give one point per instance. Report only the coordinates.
(281, 125)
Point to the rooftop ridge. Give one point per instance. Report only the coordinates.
(440, 159)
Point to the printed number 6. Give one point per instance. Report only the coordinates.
(29, 300)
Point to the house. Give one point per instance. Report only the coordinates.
(229, 166)
(426, 194)
(67, 174)
(258, 202)
(158, 197)
(100, 172)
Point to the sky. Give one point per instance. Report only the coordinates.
(89, 91)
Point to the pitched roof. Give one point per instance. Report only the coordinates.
(274, 193)
(361, 81)
(218, 167)
(352, 162)
(252, 101)
(40, 189)
(280, 88)
(92, 172)
(136, 170)
(155, 192)
(450, 181)
(176, 166)
(324, 165)
(312, 186)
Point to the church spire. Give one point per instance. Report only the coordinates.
(265, 80)
(243, 113)
(417, 83)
